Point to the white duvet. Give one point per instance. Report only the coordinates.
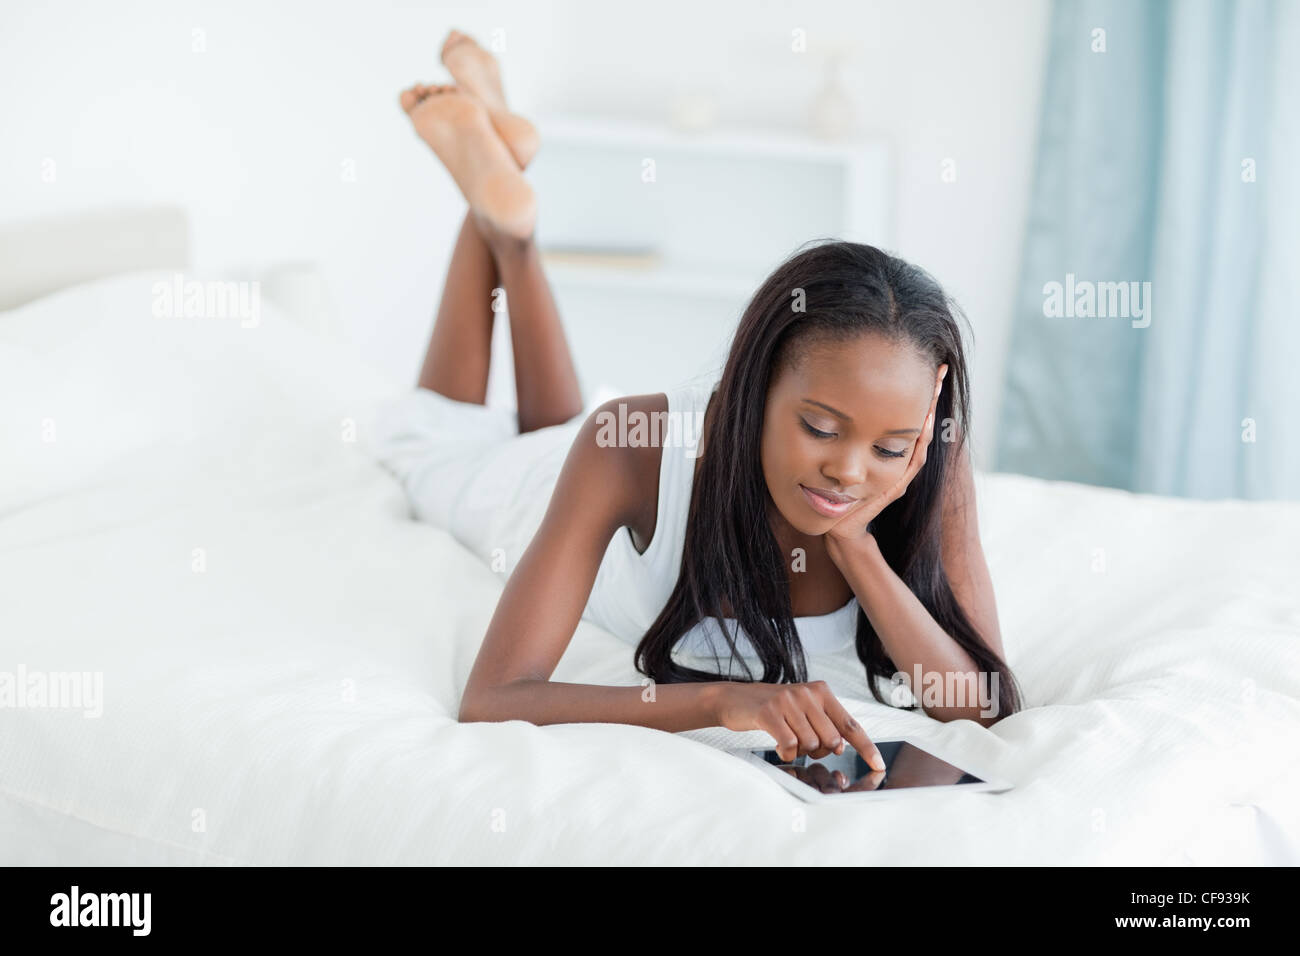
(282, 650)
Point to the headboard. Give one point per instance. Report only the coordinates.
(44, 255)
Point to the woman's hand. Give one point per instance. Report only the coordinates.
(852, 528)
(802, 719)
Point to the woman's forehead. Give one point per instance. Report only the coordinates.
(864, 369)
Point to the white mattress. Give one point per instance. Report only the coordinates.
(294, 701)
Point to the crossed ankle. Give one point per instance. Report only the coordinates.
(505, 246)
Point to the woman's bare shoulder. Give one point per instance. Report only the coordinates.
(627, 425)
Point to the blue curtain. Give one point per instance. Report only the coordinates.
(1156, 332)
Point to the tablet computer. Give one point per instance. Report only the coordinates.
(909, 768)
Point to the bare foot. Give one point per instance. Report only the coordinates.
(476, 72)
(457, 126)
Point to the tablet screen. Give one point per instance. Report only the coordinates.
(906, 766)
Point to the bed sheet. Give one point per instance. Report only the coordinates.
(282, 650)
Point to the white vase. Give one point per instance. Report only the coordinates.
(832, 108)
(693, 111)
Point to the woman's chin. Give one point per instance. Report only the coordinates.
(806, 520)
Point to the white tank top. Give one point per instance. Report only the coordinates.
(632, 588)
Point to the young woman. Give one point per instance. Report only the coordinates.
(816, 512)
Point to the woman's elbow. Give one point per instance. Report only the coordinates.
(491, 704)
(473, 708)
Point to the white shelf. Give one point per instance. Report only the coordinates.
(744, 141)
(668, 279)
(724, 207)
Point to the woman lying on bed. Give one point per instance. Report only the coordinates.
(816, 512)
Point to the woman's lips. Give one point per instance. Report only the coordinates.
(827, 503)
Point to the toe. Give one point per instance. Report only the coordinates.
(454, 37)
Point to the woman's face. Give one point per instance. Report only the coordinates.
(843, 420)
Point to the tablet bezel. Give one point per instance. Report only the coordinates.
(752, 756)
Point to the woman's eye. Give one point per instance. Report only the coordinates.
(818, 433)
(815, 432)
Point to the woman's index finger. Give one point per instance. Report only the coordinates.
(856, 735)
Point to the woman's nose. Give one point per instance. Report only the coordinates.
(848, 471)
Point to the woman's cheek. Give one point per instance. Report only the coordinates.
(790, 455)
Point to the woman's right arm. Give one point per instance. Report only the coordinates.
(599, 491)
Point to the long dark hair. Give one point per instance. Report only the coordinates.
(730, 552)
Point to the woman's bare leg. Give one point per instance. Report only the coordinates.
(460, 349)
(458, 357)
(467, 127)
(546, 384)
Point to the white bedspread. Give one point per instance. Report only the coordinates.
(282, 653)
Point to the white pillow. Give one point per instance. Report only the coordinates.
(66, 407)
(97, 372)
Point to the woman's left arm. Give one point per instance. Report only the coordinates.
(930, 659)
(918, 646)
(963, 555)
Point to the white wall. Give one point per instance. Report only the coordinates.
(253, 133)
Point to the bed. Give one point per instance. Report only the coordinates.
(281, 648)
